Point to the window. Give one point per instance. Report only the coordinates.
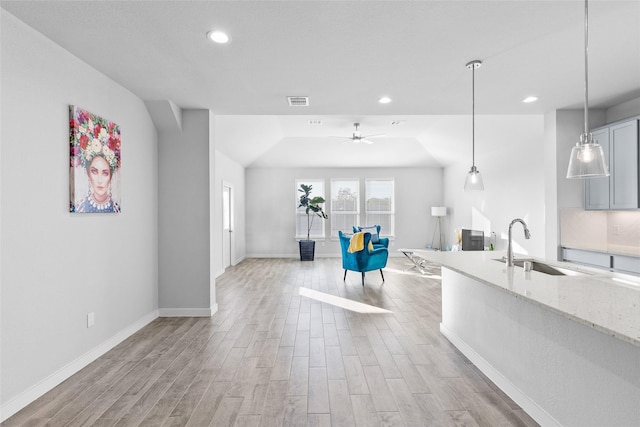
(317, 223)
(379, 204)
(345, 205)
(346, 208)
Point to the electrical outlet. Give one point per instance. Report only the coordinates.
(91, 319)
(616, 230)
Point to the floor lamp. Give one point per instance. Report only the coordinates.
(438, 212)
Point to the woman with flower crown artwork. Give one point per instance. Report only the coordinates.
(95, 154)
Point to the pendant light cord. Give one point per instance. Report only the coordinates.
(586, 69)
(473, 115)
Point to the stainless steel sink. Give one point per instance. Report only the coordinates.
(536, 266)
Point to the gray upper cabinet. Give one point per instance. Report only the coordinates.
(623, 152)
(620, 190)
(596, 190)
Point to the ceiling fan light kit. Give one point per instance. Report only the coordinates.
(357, 136)
(474, 179)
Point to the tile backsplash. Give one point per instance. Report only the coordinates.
(615, 232)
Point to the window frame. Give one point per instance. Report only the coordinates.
(334, 213)
(390, 232)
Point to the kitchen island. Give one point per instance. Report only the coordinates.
(566, 348)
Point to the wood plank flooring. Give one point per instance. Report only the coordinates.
(270, 357)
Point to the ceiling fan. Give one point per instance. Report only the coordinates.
(357, 136)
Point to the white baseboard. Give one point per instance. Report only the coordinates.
(188, 312)
(273, 255)
(237, 261)
(525, 402)
(34, 392)
(295, 255)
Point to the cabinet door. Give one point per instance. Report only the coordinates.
(596, 190)
(623, 185)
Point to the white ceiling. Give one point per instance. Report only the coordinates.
(344, 55)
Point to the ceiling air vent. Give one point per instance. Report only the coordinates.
(298, 101)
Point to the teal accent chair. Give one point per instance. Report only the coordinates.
(376, 240)
(364, 260)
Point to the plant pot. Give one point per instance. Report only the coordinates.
(307, 249)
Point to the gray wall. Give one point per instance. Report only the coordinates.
(185, 286)
(56, 267)
(271, 203)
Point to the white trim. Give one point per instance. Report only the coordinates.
(34, 392)
(188, 312)
(525, 402)
(292, 255)
(317, 255)
(232, 191)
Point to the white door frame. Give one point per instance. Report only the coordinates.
(227, 226)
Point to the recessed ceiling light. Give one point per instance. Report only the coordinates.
(529, 99)
(384, 100)
(218, 37)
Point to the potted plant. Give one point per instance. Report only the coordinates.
(312, 207)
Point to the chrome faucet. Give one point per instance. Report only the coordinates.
(527, 235)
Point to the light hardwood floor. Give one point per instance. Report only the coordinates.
(270, 357)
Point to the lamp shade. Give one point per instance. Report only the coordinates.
(438, 211)
(474, 180)
(587, 159)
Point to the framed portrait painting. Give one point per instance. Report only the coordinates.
(94, 172)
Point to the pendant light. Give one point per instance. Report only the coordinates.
(474, 179)
(587, 157)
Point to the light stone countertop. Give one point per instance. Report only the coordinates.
(606, 301)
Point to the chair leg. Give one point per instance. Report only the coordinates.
(382, 275)
(345, 276)
(363, 278)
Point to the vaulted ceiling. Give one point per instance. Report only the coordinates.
(345, 55)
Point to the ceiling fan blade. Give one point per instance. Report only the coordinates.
(366, 141)
(377, 135)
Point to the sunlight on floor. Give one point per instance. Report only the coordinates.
(413, 272)
(358, 307)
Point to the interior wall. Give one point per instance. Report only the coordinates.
(230, 172)
(185, 282)
(623, 111)
(514, 188)
(272, 195)
(551, 216)
(57, 267)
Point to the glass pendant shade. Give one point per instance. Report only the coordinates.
(474, 180)
(587, 159)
